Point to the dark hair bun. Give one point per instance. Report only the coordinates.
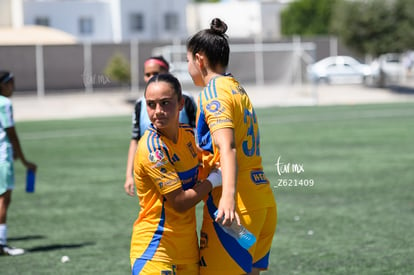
(218, 26)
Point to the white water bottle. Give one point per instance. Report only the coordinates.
(243, 236)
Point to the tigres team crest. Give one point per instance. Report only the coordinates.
(156, 156)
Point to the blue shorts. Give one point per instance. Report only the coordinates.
(6, 177)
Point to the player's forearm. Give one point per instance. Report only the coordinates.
(130, 160)
(224, 141)
(228, 166)
(182, 200)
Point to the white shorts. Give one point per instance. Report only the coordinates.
(6, 177)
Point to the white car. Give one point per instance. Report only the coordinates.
(387, 69)
(338, 70)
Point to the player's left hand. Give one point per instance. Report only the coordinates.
(129, 187)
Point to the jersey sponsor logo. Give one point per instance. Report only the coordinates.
(165, 183)
(159, 164)
(219, 121)
(239, 90)
(258, 177)
(156, 156)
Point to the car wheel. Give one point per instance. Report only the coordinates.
(323, 80)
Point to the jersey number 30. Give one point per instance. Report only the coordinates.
(251, 145)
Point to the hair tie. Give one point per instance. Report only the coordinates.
(6, 78)
(159, 62)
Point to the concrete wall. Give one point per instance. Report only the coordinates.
(64, 64)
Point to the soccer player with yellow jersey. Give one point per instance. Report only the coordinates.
(164, 238)
(227, 127)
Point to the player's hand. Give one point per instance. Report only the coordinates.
(30, 165)
(129, 186)
(226, 211)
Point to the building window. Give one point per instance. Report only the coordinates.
(136, 22)
(171, 21)
(42, 21)
(85, 25)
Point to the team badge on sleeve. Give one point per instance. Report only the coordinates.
(215, 107)
(156, 156)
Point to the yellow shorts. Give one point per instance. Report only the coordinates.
(220, 254)
(147, 267)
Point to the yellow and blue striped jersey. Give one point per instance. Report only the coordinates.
(224, 103)
(160, 166)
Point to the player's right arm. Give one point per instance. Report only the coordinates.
(129, 184)
(153, 162)
(182, 200)
(225, 143)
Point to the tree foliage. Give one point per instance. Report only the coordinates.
(118, 69)
(367, 26)
(375, 26)
(307, 17)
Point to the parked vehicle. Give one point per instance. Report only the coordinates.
(338, 70)
(387, 69)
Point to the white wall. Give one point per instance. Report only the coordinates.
(248, 19)
(242, 18)
(5, 13)
(271, 27)
(154, 15)
(111, 17)
(65, 15)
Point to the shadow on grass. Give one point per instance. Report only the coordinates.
(58, 247)
(26, 238)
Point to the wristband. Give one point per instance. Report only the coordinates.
(215, 178)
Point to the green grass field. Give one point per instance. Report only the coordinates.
(356, 218)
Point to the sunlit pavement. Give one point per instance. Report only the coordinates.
(80, 104)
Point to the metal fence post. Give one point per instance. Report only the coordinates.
(258, 49)
(40, 73)
(134, 65)
(88, 78)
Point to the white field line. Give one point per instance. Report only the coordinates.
(308, 117)
(74, 133)
(337, 116)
